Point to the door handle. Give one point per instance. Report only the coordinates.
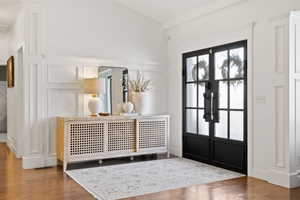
(207, 102)
(215, 103)
(212, 106)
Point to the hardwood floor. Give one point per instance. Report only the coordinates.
(51, 183)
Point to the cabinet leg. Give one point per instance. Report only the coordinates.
(100, 162)
(131, 158)
(168, 155)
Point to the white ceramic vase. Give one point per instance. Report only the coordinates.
(140, 101)
(128, 107)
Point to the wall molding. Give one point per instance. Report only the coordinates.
(4, 28)
(280, 26)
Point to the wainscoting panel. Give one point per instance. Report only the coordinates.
(297, 47)
(294, 99)
(280, 93)
(280, 125)
(63, 102)
(63, 74)
(297, 115)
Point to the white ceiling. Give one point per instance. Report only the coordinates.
(167, 12)
(8, 12)
(164, 10)
(172, 12)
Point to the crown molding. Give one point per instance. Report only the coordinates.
(203, 12)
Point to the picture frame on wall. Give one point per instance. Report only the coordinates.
(10, 72)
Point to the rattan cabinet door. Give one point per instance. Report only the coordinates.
(121, 136)
(152, 134)
(85, 140)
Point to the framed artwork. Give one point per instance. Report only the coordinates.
(10, 72)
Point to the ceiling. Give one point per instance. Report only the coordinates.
(167, 12)
(8, 12)
(172, 12)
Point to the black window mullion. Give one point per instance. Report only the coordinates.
(228, 94)
(197, 88)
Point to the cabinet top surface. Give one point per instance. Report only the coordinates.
(112, 117)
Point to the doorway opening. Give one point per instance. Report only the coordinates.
(215, 106)
(3, 104)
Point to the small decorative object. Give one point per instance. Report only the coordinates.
(93, 86)
(236, 69)
(10, 72)
(139, 93)
(102, 114)
(128, 107)
(203, 73)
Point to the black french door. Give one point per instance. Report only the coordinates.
(215, 106)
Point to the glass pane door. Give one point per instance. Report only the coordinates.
(215, 105)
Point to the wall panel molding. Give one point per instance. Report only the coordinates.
(62, 101)
(280, 92)
(294, 96)
(280, 125)
(63, 74)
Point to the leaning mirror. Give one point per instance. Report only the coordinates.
(114, 88)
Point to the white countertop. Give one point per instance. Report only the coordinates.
(112, 117)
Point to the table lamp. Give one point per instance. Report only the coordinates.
(93, 86)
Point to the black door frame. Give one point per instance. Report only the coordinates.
(211, 132)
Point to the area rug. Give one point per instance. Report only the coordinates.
(134, 179)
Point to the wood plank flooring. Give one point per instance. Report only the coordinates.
(51, 183)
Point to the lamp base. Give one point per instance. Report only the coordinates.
(94, 106)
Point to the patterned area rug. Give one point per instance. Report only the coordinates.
(134, 179)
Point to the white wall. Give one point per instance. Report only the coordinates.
(62, 40)
(294, 95)
(3, 48)
(16, 38)
(103, 29)
(265, 24)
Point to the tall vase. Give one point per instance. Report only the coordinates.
(140, 101)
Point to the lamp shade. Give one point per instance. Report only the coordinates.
(91, 86)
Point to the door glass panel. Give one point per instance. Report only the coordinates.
(191, 95)
(203, 67)
(237, 63)
(201, 89)
(221, 127)
(191, 121)
(221, 65)
(223, 94)
(191, 67)
(237, 125)
(237, 94)
(203, 126)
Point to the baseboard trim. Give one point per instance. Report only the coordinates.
(38, 161)
(3, 137)
(259, 174)
(276, 177)
(11, 145)
(294, 180)
(279, 178)
(176, 150)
